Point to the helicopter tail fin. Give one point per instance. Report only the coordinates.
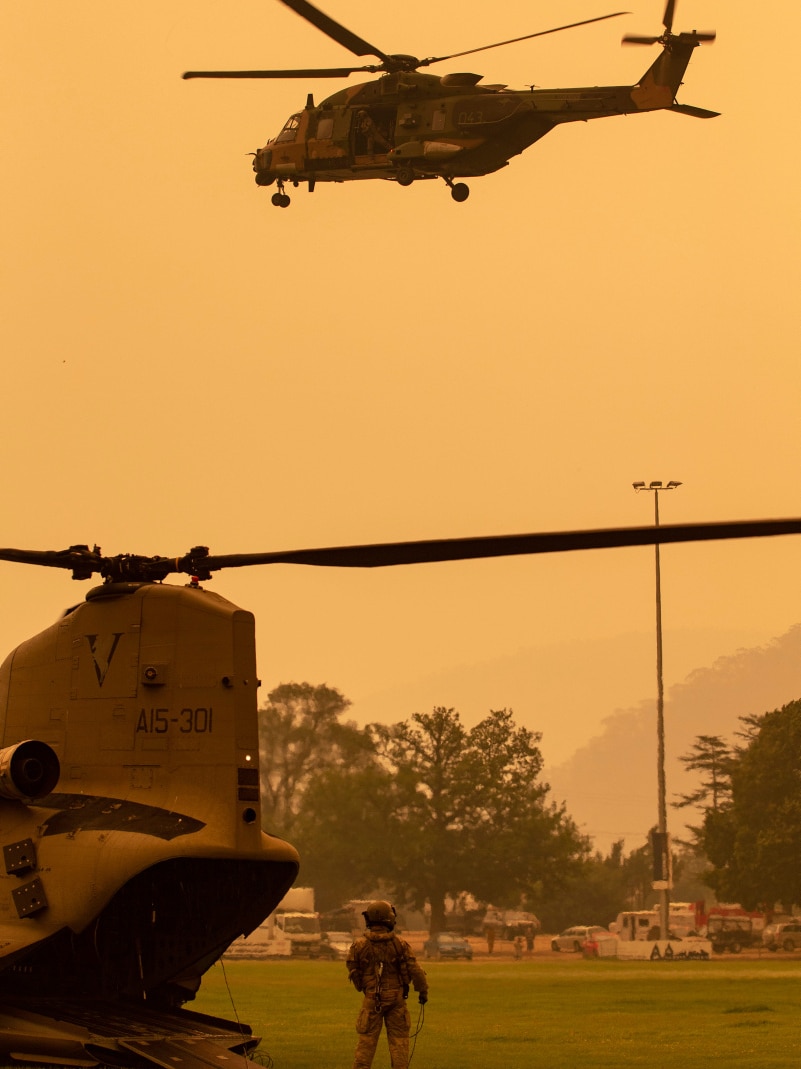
(658, 86)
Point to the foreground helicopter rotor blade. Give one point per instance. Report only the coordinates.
(70, 558)
(514, 40)
(83, 562)
(448, 549)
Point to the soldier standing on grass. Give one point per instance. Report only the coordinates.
(489, 932)
(383, 968)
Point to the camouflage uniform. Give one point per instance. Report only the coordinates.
(383, 967)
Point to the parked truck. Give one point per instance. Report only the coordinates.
(291, 930)
(732, 933)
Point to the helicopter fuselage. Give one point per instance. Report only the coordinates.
(408, 126)
(129, 877)
(404, 125)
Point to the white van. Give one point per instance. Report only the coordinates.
(635, 924)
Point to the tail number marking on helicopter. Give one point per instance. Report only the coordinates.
(492, 110)
(159, 721)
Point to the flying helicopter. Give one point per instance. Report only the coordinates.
(406, 126)
(133, 849)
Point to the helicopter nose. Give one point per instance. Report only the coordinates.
(262, 160)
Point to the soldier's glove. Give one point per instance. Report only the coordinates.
(422, 998)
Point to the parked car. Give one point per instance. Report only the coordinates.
(784, 934)
(574, 938)
(731, 933)
(335, 945)
(447, 945)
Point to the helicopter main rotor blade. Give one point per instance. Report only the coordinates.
(333, 29)
(84, 562)
(70, 558)
(514, 40)
(315, 72)
(389, 63)
(447, 549)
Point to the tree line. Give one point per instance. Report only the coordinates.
(749, 800)
(427, 811)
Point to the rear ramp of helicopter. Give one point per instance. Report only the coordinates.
(121, 1035)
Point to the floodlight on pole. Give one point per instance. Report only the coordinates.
(661, 845)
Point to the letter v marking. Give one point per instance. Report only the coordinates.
(103, 663)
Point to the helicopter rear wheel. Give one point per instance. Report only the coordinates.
(281, 200)
(460, 192)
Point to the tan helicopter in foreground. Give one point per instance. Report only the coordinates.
(406, 126)
(133, 850)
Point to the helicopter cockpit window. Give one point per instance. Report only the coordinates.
(290, 130)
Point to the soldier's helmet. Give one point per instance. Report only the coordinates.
(380, 914)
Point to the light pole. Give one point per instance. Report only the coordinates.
(661, 846)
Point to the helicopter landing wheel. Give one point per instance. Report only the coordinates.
(405, 176)
(460, 191)
(281, 200)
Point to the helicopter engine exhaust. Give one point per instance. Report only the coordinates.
(28, 770)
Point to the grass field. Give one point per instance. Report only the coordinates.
(567, 1013)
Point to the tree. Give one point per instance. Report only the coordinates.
(596, 893)
(342, 829)
(606, 886)
(754, 842)
(300, 734)
(712, 757)
(468, 812)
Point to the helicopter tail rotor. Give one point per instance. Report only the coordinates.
(657, 88)
(693, 38)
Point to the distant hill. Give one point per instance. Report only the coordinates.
(594, 702)
(609, 784)
(566, 690)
